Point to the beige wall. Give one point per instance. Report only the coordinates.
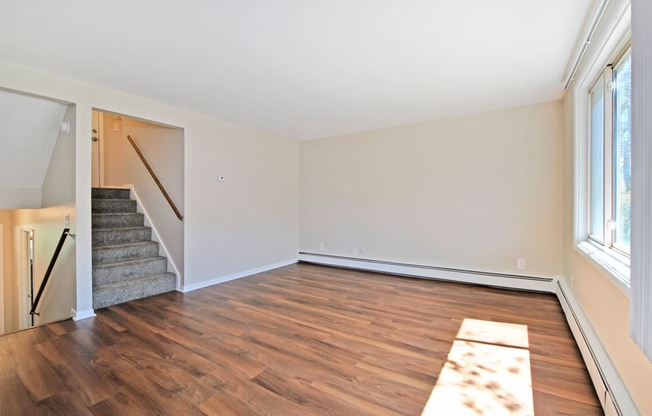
(59, 296)
(163, 148)
(474, 192)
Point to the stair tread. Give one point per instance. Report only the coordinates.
(121, 228)
(126, 245)
(99, 214)
(129, 262)
(135, 281)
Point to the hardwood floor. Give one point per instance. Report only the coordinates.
(299, 340)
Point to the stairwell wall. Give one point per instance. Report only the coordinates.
(163, 148)
(58, 201)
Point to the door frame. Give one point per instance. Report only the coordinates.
(97, 123)
(25, 277)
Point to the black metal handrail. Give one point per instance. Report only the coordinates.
(48, 272)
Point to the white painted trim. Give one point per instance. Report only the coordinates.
(641, 270)
(510, 281)
(78, 316)
(218, 280)
(172, 266)
(610, 388)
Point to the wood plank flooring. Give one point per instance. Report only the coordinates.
(299, 340)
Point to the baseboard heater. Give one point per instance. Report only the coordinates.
(502, 280)
(609, 387)
(611, 391)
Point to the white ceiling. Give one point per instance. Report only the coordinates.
(305, 68)
(29, 128)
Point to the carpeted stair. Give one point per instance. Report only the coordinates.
(126, 263)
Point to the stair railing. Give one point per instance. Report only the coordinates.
(48, 272)
(151, 172)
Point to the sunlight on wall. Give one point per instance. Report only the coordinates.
(487, 373)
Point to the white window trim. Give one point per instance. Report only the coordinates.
(612, 264)
(641, 299)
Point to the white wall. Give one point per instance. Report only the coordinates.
(474, 192)
(11, 198)
(163, 148)
(248, 222)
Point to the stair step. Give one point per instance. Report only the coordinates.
(126, 270)
(124, 252)
(99, 206)
(112, 236)
(118, 220)
(124, 291)
(110, 193)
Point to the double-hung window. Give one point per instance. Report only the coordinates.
(610, 144)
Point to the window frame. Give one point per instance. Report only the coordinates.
(611, 261)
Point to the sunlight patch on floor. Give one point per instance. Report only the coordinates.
(487, 373)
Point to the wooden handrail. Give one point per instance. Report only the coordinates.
(151, 172)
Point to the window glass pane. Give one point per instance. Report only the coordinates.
(596, 177)
(622, 150)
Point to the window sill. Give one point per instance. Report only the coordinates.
(612, 264)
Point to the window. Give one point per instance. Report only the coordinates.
(609, 161)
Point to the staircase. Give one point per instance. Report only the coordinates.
(126, 263)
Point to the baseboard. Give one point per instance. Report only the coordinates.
(502, 280)
(79, 315)
(610, 388)
(218, 280)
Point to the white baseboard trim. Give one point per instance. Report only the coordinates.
(610, 388)
(79, 315)
(218, 280)
(509, 281)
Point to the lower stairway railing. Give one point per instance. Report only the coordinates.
(48, 272)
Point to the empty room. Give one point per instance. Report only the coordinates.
(326, 208)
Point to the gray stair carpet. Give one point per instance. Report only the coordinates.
(126, 263)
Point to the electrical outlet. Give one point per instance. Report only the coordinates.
(322, 247)
(520, 264)
(355, 250)
(67, 220)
